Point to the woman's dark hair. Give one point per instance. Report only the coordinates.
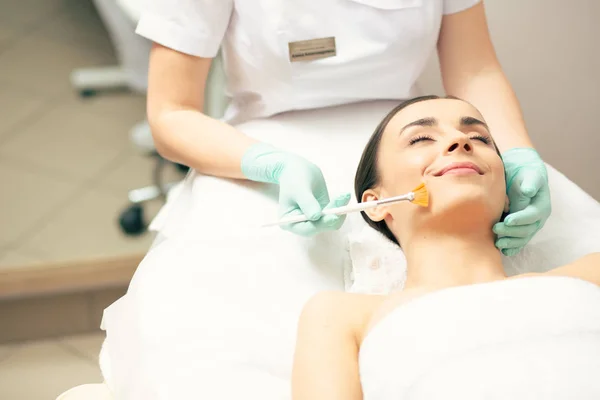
(367, 174)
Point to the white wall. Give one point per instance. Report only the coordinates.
(550, 50)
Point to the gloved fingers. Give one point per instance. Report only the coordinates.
(307, 228)
(330, 222)
(310, 228)
(323, 222)
(511, 252)
(528, 216)
(527, 185)
(511, 243)
(339, 201)
(333, 222)
(310, 206)
(518, 231)
(543, 202)
(531, 182)
(518, 201)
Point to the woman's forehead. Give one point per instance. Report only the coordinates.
(446, 111)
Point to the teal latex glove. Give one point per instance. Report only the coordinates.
(529, 195)
(302, 188)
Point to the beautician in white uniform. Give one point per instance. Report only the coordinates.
(306, 54)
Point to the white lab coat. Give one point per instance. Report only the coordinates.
(382, 47)
(211, 311)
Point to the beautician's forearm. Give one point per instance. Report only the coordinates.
(471, 71)
(491, 93)
(212, 147)
(181, 133)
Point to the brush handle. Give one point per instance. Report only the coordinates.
(344, 209)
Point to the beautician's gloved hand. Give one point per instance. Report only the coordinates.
(302, 188)
(529, 196)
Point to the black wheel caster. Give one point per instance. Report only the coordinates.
(182, 168)
(132, 220)
(85, 93)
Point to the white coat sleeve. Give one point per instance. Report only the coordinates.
(454, 6)
(194, 27)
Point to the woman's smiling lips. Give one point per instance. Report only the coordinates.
(460, 168)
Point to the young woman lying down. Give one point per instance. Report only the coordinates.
(460, 328)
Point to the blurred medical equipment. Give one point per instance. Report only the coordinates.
(120, 18)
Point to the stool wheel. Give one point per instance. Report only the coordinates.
(182, 168)
(85, 93)
(132, 221)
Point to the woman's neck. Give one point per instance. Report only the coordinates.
(452, 259)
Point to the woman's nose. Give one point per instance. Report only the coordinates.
(459, 144)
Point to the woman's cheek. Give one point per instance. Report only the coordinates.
(417, 164)
(410, 171)
(498, 172)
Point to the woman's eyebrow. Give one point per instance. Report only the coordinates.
(470, 121)
(429, 121)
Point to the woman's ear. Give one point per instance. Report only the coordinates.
(375, 214)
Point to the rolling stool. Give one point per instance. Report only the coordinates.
(120, 18)
(132, 219)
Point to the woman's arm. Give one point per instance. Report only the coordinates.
(181, 133)
(586, 268)
(326, 357)
(471, 71)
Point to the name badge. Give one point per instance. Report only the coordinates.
(309, 50)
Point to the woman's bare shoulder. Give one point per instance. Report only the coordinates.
(347, 311)
(586, 268)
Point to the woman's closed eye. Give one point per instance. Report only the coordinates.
(423, 138)
(419, 138)
(484, 139)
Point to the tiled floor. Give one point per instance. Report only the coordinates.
(43, 370)
(66, 163)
